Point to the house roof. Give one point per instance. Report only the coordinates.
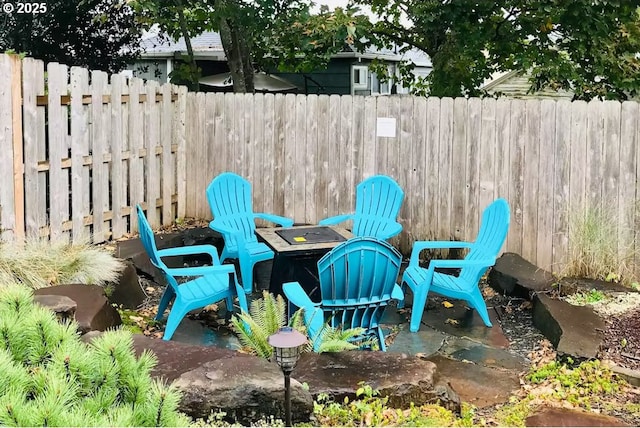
(516, 84)
(205, 46)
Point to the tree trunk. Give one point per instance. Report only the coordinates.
(238, 54)
(193, 75)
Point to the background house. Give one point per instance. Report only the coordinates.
(347, 72)
(515, 84)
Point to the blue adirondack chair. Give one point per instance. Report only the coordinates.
(465, 286)
(229, 197)
(357, 280)
(208, 284)
(378, 201)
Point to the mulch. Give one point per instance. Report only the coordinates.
(622, 340)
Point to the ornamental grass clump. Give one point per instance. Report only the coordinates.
(595, 249)
(38, 263)
(51, 378)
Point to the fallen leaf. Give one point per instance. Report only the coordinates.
(451, 321)
(135, 318)
(447, 304)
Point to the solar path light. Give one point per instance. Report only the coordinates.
(286, 349)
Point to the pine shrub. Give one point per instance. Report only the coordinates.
(51, 378)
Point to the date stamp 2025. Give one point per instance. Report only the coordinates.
(23, 8)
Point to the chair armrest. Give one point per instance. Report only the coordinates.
(190, 250)
(297, 296)
(335, 219)
(461, 263)
(201, 270)
(282, 221)
(419, 246)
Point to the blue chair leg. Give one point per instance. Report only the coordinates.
(229, 302)
(383, 346)
(476, 301)
(420, 293)
(167, 297)
(178, 312)
(246, 271)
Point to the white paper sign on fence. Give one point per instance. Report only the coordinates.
(386, 127)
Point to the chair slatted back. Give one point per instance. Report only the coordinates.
(356, 281)
(378, 202)
(149, 243)
(493, 232)
(229, 197)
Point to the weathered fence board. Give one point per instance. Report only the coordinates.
(78, 154)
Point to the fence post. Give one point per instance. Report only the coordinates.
(18, 161)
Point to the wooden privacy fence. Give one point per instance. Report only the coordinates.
(304, 156)
(80, 149)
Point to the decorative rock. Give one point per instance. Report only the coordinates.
(126, 291)
(558, 417)
(478, 385)
(573, 330)
(404, 379)
(93, 309)
(245, 387)
(202, 235)
(64, 307)
(512, 275)
(133, 250)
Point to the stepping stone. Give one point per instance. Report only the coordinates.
(426, 341)
(558, 417)
(463, 349)
(476, 384)
(461, 321)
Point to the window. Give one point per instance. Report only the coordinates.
(359, 77)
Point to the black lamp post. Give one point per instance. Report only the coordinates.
(286, 348)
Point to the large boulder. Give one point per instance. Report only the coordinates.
(94, 312)
(127, 291)
(404, 379)
(514, 276)
(133, 249)
(62, 306)
(245, 387)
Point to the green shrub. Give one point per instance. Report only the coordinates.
(51, 378)
(38, 263)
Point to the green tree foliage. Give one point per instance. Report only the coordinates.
(98, 34)
(587, 46)
(257, 35)
(51, 378)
